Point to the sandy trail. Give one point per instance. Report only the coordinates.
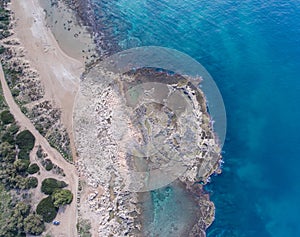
(68, 218)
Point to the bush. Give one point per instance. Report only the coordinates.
(47, 209)
(48, 164)
(62, 197)
(33, 168)
(50, 185)
(2, 49)
(15, 92)
(39, 152)
(18, 182)
(7, 152)
(34, 224)
(84, 227)
(23, 155)
(32, 182)
(25, 140)
(13, 128)
(7, 117)
(21, 165)
(8, 137)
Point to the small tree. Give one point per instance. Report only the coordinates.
(21, 209)
(62, 197)
(21, 165)
(24, 154)
(7, 152)
(34, 224)
(33, 168)
(25, 140)
(19, 182)
(47, 163)
(7, 117)
(32, 182)
(47, 209)
(49, 185)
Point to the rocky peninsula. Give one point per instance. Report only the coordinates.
(110, 129)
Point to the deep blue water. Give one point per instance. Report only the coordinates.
(252, 50)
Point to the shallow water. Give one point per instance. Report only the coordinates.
(251, 48)
(168, 212)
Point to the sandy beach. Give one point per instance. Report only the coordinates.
(59, 72)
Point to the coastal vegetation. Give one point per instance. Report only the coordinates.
(33, 168)
(4, 22)
(26, 88)
(15, 174)
(62, 197)
(58, 197)
(84, 227)
(50, 185)
(6, 117)
(17, 218)
(47, 163)
(19, 178)
(47, 209)
(15, 147)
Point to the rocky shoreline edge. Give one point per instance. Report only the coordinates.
(100, 120)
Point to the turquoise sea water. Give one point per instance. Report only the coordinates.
(252, 50)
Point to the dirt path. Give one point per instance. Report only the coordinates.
(69, 216)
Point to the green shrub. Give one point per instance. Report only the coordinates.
(84, 227)
(48, 164)
(33, 168)
(24, 155)
(25, 140)
(39, 152)
(13, 128)
(34, 224)
(49, 185)
(7, 117)
(7, 152)
(47, 209)
(24, 109)
(2, 49)
(4, 34)
(62, 197)
(32, 182)
(18, 182)
(15, 92)
(40, 128)
(21, 165)
(8, 137)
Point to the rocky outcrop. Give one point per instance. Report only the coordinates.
(121, 131)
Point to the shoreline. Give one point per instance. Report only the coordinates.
(52, 75)
(53, 50)
(73, 38)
